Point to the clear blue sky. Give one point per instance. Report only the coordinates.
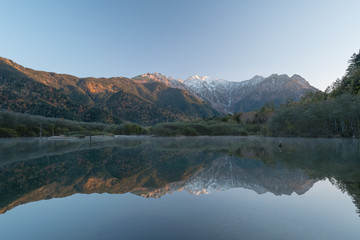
(234, 40)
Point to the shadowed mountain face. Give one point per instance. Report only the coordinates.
(112, 100)
(31, 170)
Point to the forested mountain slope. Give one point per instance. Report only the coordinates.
(111, 100)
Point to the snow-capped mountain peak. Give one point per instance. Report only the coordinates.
(207, 79)
(198, 77)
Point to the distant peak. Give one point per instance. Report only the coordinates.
(198, 77)
(205, 79)
(300, 80)
(276, 75)
(257, 78)
(153, 76)
(253, 81)
(297, 77)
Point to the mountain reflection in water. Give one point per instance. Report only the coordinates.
(31, 170)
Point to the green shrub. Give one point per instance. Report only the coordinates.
(189, 131)
(6, 132)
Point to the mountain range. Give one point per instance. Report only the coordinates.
(146, 99)
(227, 172)
(231, 97)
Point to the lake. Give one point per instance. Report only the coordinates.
(180, 188)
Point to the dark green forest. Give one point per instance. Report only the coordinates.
(333, 113)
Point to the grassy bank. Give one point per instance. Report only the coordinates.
(25, 125)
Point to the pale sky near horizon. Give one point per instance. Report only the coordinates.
(233, 40)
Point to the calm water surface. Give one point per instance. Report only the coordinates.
(180, 188)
